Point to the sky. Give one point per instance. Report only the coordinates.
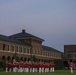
(52, 20)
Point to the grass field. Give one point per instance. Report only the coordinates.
(57, 72)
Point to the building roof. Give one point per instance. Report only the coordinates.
(50, 48)
(24, 34)
(13, 40)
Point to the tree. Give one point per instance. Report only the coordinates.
(15, 56)
(33, 58)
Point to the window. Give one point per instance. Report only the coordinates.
(17, 49)
(28, 50)
(21, 49)
(8, 47)
(41, 52)
(12, 48)
(24, 50)
(38, 52)
(35, 51)
(3, 46)
(46, 53)
(50, 54)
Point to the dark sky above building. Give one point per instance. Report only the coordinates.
(52, 20)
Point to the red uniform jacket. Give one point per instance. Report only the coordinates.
(26, 65)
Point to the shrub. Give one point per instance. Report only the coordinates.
(1, 69)
(2, 64)
(58, 64)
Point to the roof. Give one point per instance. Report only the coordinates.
(23, 34)
(49, 48)
(10, 39)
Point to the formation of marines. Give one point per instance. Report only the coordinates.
(29, 66)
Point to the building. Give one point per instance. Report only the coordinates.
(26, 46)
(70, 52)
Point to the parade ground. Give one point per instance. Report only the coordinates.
(57, 72)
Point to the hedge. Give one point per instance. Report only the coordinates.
(2, 65)
(58, 64)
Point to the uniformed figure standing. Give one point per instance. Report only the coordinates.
(71, 66)
(6, 66)
(14, 66)
(21, 66)
(53, 66)
(26, 67)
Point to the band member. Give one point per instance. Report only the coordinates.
(33, 66)
(50, 66)
(17, 65)
(26, 67)
(6, 66)
(21, 66)
(30, 66)
(14, 66)
(10, 67)
(36, 66)
(71, 66)
(45, 67)
(42, 67)
(53, 66)
(39, 66)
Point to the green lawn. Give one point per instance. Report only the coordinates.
(57, 72)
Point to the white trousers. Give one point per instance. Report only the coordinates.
(39, 70)
(30, 69)
(71, 69)
(21, 69)
(35, 69)
(6, 69)
(52, 69)
(42, 70)
(15, 69)
(10, 70)
(45, 69)
(26, 69)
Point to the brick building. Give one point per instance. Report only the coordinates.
(70, 51)
(26, 46)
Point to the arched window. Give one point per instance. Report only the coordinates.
(25, 59)
(21, 59)
(3, 58)
(12, 58)
(8, 58)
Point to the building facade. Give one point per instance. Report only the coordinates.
(26, 46)
(70, 51)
